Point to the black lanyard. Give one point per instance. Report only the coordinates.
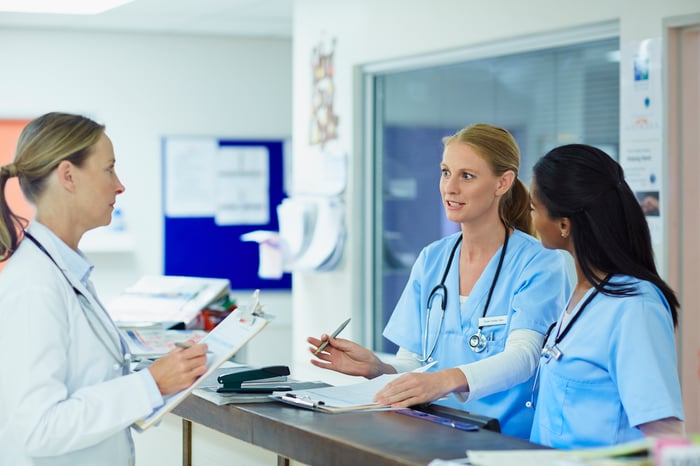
(561, 334)
(441, 286)
(498, 273)
(553, 351)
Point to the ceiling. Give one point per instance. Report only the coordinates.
(258, 18)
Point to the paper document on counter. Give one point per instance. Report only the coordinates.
(623, 454)
(208, 388)
(225, 340)
(343, 398)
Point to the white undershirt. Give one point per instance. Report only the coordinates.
(514, 365)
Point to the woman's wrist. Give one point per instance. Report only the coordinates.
(457, 381)
(380, 368)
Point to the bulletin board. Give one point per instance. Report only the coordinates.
(202, 179)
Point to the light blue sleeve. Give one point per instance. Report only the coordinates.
(543, 292)
(642, 358)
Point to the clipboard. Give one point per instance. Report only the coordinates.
(224, 341)
(339, 399)
(318, 404)
(343, 398)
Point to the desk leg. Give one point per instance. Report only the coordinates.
(186, 442)
(282, 460)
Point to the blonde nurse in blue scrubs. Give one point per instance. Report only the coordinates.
(477, 303)
(608, 372)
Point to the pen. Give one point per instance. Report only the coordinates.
(333, 335)
(444, 421)
(185, 345)
(291, 397)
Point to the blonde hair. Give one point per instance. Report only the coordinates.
(44, 143)
(499, 149)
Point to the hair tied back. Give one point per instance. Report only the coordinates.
(9, 170)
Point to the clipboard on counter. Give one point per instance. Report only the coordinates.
(320, 404)
(343, 398)
(339, 399)
(224, 341)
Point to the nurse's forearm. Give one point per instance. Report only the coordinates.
(669, 426)
(516, 364)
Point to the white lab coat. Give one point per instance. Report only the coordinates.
(62, 401)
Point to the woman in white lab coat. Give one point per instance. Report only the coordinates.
(67, 395)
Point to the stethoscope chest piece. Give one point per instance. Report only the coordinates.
(478, 342)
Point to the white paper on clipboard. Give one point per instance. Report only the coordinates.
(225, 340)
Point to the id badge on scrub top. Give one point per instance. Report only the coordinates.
(492, 320)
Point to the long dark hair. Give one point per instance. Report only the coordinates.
(609, 230)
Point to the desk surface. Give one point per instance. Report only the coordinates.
(377, 438)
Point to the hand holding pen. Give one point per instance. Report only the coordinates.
(345, 356)
(333, 335)
(178, 369)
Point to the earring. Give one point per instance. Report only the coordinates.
(564, 234)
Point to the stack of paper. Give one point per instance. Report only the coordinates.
(343, 398)
(208, 388)
(623, 454)
(172, 299)
(153, 342)
(340, 399)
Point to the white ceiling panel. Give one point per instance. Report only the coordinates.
(259, 18)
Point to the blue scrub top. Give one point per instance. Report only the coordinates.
(531, 291)
(617, 370)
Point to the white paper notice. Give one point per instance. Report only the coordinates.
(242, 185)
(189, 171)
(641, 130)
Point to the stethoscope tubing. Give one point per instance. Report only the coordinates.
(122, 360)
(427, 354)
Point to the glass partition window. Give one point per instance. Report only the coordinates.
(544, 98)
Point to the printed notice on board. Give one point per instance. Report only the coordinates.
(229, 183)
(641, 116)
(242, 185)
(189, 171)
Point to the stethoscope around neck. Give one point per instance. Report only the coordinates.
(478, 341)
(122, 359)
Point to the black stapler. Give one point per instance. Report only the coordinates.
(231, 383)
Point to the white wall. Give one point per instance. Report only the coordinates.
(144, 87)
(371, 31)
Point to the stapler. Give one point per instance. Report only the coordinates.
(232, 383)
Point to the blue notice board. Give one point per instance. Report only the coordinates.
(195, 245)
